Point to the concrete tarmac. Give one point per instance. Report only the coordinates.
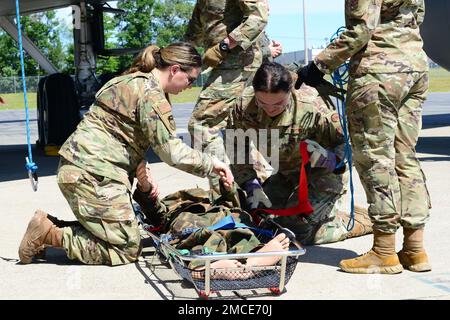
(316, 276)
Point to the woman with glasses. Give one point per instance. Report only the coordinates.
(296, 115)
(99, 161)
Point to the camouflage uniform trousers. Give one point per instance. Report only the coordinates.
(327, 193)
(108, 232)
(210, 115)
(385, 117)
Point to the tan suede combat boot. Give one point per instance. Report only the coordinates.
(362, 226)
(382, 258)
(41, 233)
(413, 256)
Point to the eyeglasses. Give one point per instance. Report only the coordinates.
(191, 79)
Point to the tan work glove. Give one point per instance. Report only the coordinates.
(214, 56)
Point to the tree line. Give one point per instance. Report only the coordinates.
(145, 22)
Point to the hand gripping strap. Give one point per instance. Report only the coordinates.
(303, 207)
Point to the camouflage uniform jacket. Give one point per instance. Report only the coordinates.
(130, 114)
(306, 117)
(243, 20)
(382, 36)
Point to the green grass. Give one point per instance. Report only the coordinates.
(188, 95)
(15, 101)
(439, 82)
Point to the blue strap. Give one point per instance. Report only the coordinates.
(340, 78)
(30, 165)
(227, 223)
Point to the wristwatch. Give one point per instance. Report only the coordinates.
(223, 46)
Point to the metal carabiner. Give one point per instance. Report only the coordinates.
(287, 232)
(32, 175)
(33, 180)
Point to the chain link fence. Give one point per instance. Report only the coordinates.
(14, 84)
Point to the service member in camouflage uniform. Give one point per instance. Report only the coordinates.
(297, 115)
(231, 32)
(388, 85)
(131, 113)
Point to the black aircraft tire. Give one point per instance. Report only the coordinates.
(40, 112)
(60, 109)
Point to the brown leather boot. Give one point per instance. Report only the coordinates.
(382, 258)
(413, 256)
(362, 226)
(41, 233)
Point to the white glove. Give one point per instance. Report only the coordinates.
(256, 194)
(320, 157)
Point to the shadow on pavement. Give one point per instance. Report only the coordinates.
(434, 146)
(435, 121)
(12, 157)
(12, 162)
(16, 121)
(325, 255)
(50, 256)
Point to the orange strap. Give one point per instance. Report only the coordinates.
(303, 207)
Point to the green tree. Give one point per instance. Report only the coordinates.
(108, 64)
(171, 19)
(151, 21)
(69, 60)
(9, 56)
(44, 31)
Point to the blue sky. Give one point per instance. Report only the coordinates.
(324, 17)
(286, 21)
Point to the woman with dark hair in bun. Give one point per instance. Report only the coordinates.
(272, 103)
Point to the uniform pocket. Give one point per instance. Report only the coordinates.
(364, 117)
(68, 177)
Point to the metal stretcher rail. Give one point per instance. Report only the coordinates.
(206, 281)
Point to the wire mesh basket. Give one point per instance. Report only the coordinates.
(273, 277)
(205, 281)
(238, 278)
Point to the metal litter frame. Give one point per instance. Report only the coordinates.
(207, 284)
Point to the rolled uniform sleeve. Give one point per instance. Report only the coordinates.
(242, 172)
(264, 44)
(420, 14)
(194, 33)
(256, 15)
(362, 17)
(158, 128)
(329, 133)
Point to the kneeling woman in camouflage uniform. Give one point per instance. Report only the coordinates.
(291, 116)
(131, 113)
